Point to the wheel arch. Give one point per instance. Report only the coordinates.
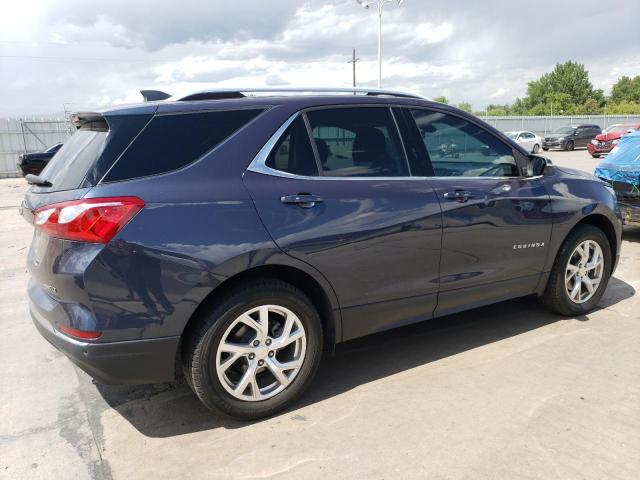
(297, 277)
(603, 223)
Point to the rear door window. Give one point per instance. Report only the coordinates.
(358, 142)
(172, 141)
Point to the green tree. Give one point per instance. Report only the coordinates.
(466, 106)
(590, 107)
(519, 107)
(626, 90)
(441, 99)
(567, 85)
(556, 102)
(497, 110)
(624, 108)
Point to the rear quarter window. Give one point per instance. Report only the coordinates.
(172, 141)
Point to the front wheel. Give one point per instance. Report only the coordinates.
(569, 146)
(536, 148)
(256, 352)
(595, 155)
(580, 273)
(546, 149)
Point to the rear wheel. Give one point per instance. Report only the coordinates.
(256, 352)
(580, 273)
(570, 145)
(536, 148)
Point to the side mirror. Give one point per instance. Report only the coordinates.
(536, 165)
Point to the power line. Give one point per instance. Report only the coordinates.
(51, 57)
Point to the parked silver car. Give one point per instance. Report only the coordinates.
(526, 139)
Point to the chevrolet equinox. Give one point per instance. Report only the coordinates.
(233, 236)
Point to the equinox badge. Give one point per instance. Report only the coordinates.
(519, 246)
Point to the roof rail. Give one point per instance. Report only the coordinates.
(219, 94)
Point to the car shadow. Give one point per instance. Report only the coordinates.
(170, 409)
(631, 233)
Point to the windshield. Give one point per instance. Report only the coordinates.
(564, 130)
(511, 135)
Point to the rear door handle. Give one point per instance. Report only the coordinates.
(304, 200)
(458, 195)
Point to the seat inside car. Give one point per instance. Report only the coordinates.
(369, 149)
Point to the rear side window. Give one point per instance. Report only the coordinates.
(293, 153)
(172, 141)
(358, 142)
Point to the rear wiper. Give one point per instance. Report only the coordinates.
(38, 181)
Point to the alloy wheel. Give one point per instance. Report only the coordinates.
(261, 353)
(584, 271)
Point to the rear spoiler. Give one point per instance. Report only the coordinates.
(153, 95)
(94, 120)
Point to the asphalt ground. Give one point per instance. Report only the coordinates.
(501, 392)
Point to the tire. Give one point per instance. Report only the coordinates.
(203, 352)
(536, 148)
(545, 149)
(556, 296)
(569, 146)
(595, 155)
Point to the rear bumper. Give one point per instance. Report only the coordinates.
(127, 362)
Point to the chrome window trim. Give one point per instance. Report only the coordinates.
(258, 164)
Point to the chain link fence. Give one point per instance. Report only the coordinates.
(22, 135)
(544, 125)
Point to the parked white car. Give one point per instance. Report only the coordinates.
(528, 140)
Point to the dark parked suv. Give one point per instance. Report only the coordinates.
(33, 163)
(232, 238)
(570, 137)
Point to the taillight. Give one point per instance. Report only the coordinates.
(95, 220)
(80, 334)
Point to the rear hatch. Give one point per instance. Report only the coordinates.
(70, 232)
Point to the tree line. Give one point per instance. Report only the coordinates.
(567, 90)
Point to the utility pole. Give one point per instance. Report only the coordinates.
(354, 60)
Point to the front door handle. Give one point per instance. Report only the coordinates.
(304, 200)
(458, 195)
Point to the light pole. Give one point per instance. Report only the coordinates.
(379, 4)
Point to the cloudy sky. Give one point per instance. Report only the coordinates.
(91, 54)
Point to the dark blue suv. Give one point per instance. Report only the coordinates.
(232, 237)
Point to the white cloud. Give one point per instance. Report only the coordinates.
(95, 54)
(498, 93)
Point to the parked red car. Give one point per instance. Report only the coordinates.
(608, 139)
